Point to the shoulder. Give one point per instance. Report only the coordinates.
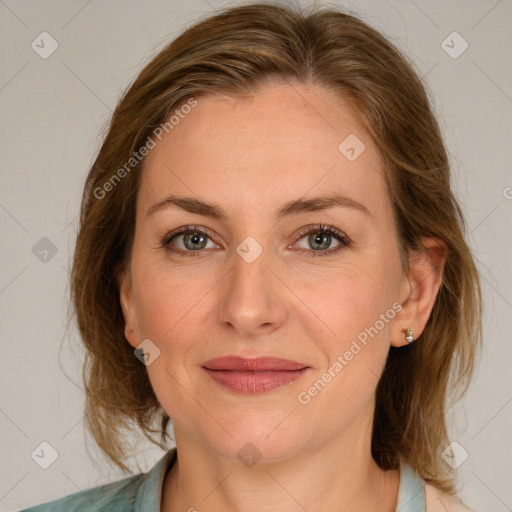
(439, 501)
(115, 497)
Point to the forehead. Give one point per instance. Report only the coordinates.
(282, 143)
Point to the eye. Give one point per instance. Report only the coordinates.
(188, 239)
(319, 238)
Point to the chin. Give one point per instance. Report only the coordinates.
(258, 436)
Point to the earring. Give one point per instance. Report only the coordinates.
(409, 336)
(131, 330)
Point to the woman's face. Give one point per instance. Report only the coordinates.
(253, 281)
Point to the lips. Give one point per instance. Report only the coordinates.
(258, 364)
(256, 375)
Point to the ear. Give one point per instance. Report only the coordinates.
(124, 284)
(419, 289)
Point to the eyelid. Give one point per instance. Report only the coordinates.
(344, 240)
(183, 230)
(322, 228)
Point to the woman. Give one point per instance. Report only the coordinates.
(271, 256)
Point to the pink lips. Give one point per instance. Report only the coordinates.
(256, 375)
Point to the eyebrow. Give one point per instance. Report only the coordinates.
(315, 204)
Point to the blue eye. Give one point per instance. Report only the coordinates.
(321, 236)
(194, 239)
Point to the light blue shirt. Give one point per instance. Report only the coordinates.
(143, 493)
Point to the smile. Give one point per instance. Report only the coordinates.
(253, 376)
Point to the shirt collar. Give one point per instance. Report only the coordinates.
(411, 491)
(149, 495)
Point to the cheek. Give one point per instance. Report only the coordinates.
(166, 300)
(168, 308)
(356, 308)
(350, 300)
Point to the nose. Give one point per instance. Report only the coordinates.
(253, 300)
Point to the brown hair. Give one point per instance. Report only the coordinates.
(234, 52)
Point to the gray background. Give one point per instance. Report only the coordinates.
(52, 113)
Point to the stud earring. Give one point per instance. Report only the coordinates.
(409, 336)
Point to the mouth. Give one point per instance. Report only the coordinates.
(253, 376)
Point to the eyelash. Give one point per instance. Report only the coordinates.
(344, 240)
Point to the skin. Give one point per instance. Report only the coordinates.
(250, 156)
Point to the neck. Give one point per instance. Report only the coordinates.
(328, 476)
